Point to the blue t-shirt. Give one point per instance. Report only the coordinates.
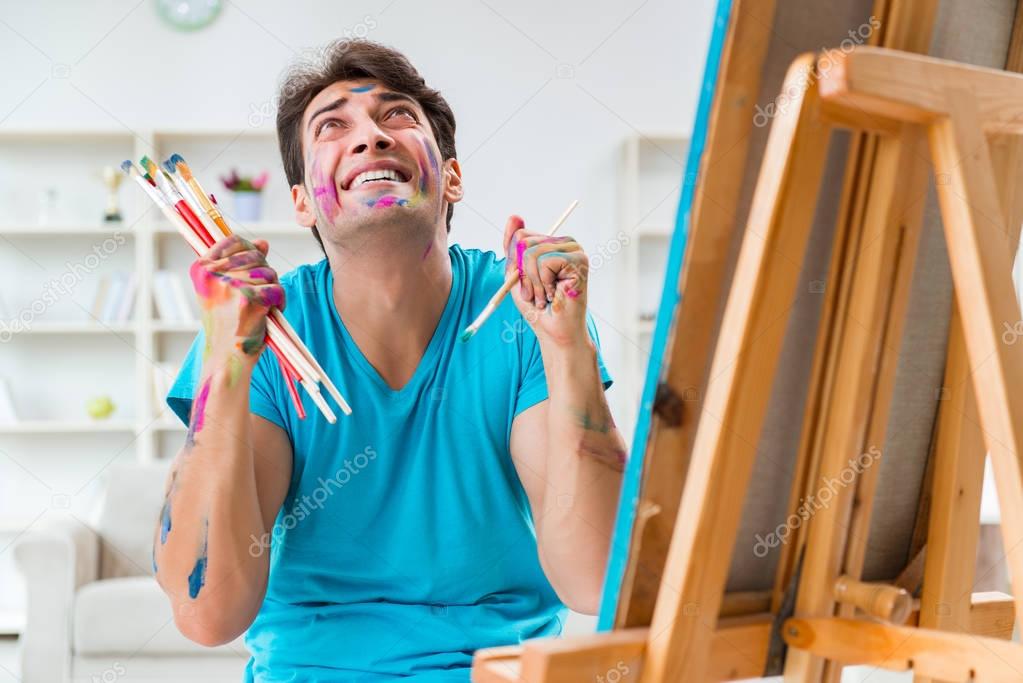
(406, 539)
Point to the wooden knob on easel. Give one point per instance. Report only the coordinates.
(880, 600)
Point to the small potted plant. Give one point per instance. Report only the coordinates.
(248, 194)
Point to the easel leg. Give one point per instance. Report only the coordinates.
(752, 332)
(954, 524)
(978, 242)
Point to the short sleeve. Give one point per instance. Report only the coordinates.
(264, 392)
(533, 381)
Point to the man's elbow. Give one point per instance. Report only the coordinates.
(581, 598)
(206, 630)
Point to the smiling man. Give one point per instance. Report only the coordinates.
(470, 496)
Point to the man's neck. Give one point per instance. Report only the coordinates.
(392, 302)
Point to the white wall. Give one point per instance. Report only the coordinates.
(543, 92)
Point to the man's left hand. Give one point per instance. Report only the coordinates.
(552, 272)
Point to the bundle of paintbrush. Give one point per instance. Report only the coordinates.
(178, 194)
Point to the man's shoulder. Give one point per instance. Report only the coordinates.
(482, 270)
(305, 279)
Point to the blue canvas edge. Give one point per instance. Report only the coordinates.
(665, 314)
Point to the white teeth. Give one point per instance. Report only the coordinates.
(380, 174)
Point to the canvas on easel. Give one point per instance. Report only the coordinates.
(872, 283)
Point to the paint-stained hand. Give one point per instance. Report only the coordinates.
(552, 274)
(236, 289)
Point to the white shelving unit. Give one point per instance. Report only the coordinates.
(651, 174)
(90, 357)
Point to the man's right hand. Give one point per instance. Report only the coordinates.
(236, 289)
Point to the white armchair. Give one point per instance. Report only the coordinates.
(94, 610)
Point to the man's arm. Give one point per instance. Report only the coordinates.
(211, 546)
(567, 450)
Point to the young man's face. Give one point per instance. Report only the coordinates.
(370, 160)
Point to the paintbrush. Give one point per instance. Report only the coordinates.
(176, 199)
(172, 193)
(509, 282)
(314, 371)
(209, 207)
(164, 204)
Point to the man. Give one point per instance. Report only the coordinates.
(471, 494)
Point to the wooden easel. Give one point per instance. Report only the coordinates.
(839, 619)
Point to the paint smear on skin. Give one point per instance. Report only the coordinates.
(363, 88)
(195, 425)
(165, 522)
(262, 273)
(571, 293)
(325, 192)
(234, 370)
(426, 253)
(386, 201)
(197, 579)
(520, 251)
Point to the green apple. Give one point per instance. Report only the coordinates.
(100, 407)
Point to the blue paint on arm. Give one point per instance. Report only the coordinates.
(197, 579)
(165, 521)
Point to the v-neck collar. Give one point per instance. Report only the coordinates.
(428, 360)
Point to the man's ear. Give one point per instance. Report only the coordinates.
(453, 189)
(305, 212)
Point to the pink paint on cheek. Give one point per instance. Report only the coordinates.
(325, 192)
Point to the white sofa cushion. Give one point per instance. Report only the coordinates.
(130, 509)
(132, 616)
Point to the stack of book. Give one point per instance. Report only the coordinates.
(174, 301)
(115, 298)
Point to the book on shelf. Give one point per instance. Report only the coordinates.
(115, 297)
(172, 299)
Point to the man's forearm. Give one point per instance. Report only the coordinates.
(202, 548)
(585, 457)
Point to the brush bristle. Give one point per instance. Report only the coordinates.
(149, 165)
(184, 170)
(467, 335)
(126, 166)
(171, 168)
(177, 159)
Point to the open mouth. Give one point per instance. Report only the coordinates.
(381, 175)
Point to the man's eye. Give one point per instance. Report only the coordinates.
(405, 112)
(327, 124)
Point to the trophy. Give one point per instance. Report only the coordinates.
(112, 178)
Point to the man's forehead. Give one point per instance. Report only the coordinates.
(347, 89)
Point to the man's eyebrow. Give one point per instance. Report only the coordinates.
(336, 104)
(395, 97)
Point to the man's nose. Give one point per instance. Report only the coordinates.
(371, 136)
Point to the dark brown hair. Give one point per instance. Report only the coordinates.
(345, 60)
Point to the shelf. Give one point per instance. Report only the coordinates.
(172, 326)
(68, 427)
(655, 231)
(77, 328)
(267, 229)
(83, 230)
(169, 426)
